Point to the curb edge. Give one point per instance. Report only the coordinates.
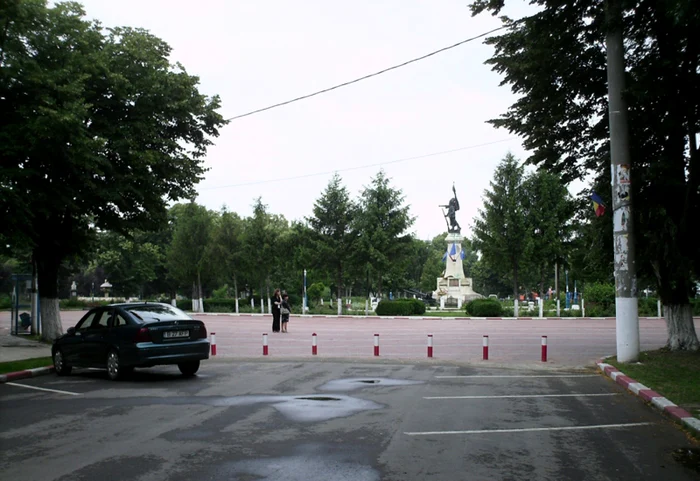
(647, 395)
(27, 373)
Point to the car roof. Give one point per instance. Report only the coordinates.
(141, 303)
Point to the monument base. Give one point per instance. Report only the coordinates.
(453, 289)
(456, 292)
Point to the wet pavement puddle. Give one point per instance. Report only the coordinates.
(350, 384)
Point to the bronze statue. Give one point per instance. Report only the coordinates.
(452, 207)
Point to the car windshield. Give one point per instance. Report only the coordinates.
(157, 312)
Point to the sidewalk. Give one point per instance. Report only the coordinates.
(17, 348)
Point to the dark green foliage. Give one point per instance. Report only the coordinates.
(5, 302)
(381, 224)
(219, 305)
(333, 236)
(599, 299)
(400, 307)
(186, 304)
(555, 62)
(98, 131)
(315, 291)
(501, 231)
(484, 308)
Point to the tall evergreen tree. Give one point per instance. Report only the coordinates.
(260, 247)
(333, 214)
(381, 224)
(549, 211)
(501, 231)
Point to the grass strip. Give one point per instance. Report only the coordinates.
(14, 366)
(673, 374)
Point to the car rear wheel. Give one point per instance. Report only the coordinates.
(189, 368)
(59, 364)
(114, 368)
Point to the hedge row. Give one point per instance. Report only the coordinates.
(400, 307)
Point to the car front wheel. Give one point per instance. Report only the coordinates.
(189, 368)
(60, 365)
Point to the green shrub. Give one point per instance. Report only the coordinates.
(400, 307)
(5, 302)
(485, 308)
(184, 304)
(221, 293)
(71, 303)
(647, 306)
(316, 291)
(600, 299)
(220, 305)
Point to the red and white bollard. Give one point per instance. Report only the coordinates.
(486, 348)
(314, 345)
(213, 344)
(430, 345)
(544, 348)
(376, 344)
(265, 350)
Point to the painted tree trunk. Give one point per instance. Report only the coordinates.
(51, 327)
(47, 271)
(235, 290)
(199, 292)
(681, 328)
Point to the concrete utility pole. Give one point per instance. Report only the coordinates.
(626, 313)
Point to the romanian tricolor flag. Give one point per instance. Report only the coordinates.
(597, 204)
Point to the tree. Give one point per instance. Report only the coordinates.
(98, 131)
(130, 261)
(260, 246)
(501, 231)
(549, 211)
(226, 252)
(188, 254)
(381, 224)
(555, 61)
(333, 238)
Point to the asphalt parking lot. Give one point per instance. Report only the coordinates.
(307, 420)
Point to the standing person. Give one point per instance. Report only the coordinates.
(286, 310)
(276, 303)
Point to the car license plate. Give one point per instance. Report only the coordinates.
(172, 334)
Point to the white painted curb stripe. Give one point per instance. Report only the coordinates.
(512, 396)
(615, 374)
(525, 430)
(635, 387)
(43, 389)
(692, 422)
(662, 402)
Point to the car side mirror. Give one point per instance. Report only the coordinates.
(71, 330)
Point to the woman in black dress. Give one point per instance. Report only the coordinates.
(276, 302)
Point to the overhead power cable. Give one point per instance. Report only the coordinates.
(305, 176)
(345, 84)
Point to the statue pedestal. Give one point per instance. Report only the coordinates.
(453, 286)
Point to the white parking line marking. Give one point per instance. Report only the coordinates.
(43, 389)
(517, 375)
(522, 396)
(526, 430)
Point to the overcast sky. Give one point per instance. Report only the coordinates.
(260, 52)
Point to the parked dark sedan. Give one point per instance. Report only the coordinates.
(120, 337)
